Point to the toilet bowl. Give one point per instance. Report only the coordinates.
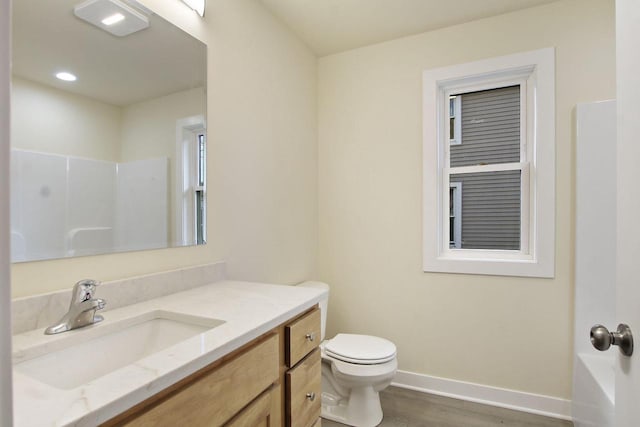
(355, 368)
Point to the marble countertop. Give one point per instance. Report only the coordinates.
(247, 309)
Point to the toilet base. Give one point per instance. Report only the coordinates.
(361, 409)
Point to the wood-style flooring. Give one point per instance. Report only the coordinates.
(407, 408)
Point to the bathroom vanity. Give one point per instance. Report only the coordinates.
(257, 362)
(246, 387)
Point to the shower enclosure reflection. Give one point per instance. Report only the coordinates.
(115, 160)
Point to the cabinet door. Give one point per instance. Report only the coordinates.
(214, 397)
(304, 391)
(257, 414)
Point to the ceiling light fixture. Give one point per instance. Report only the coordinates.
(197, 5)
(113, 19)
(67, 77)
(112, 16)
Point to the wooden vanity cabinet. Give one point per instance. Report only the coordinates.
(272, 380)
(213, 395)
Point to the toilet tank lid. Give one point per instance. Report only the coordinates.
(361, 347)
(314, 284)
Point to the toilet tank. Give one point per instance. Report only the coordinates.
(324, 302)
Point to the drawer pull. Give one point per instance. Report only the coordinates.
(311, 336)
(311, 396)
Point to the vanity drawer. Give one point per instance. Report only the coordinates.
(304, 392)
(212, 397)
(302, 336)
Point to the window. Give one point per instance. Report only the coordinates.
(489, 129)
(490, 157)
(190, 215)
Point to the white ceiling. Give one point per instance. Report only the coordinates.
(162, 59)
(332, 26)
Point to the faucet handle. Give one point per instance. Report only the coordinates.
(83, 290)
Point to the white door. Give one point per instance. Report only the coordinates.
(628, 228)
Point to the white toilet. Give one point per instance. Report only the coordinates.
(355, 368)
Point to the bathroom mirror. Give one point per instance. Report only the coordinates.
(115, 160)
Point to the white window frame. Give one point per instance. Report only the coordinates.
(201, 157)
(457, 128)
(457, 215)
(534, 71)
(526, 153)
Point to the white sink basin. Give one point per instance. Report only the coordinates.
(82, 355)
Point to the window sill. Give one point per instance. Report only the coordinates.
(523, 266)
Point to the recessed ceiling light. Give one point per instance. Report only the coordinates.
(113, 19)
(67, 77)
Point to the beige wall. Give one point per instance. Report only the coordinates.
(508, 332)
(262, 158)
(50, 120)
(149, 127)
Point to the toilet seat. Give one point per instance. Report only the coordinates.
(360, 349)
(360, 372)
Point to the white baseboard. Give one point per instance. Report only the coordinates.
(478, 393)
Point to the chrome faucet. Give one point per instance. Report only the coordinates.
(82, 310)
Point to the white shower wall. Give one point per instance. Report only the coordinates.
(593, 402)
(38, 203)
(92, 192)
(90, 216)
(142, 205)
(68, 206)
